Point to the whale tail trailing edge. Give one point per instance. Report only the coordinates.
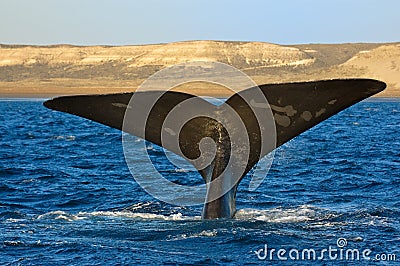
(294, 108)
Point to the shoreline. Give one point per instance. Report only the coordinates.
(49, 71)
(33, 96)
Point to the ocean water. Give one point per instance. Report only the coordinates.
(67, 197)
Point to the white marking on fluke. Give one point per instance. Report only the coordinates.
(288, 110)
(320, 112)
(332, 102)
(282, 120)
(306, 115)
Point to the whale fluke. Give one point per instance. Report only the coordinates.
(292, 107)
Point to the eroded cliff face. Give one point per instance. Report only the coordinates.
(238, 54)
(65, 69)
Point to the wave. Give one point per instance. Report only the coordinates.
(275, 215)
(62, 137)
(204, 233)
(279, 215)
(314, 216)
(61, 215)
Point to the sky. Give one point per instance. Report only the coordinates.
(124, 22)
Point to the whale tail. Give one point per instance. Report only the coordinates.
(242, 121)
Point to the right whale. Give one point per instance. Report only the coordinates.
(234, 127)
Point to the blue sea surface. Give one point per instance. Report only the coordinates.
(68, 197)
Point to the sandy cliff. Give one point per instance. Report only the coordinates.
(65, 69)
